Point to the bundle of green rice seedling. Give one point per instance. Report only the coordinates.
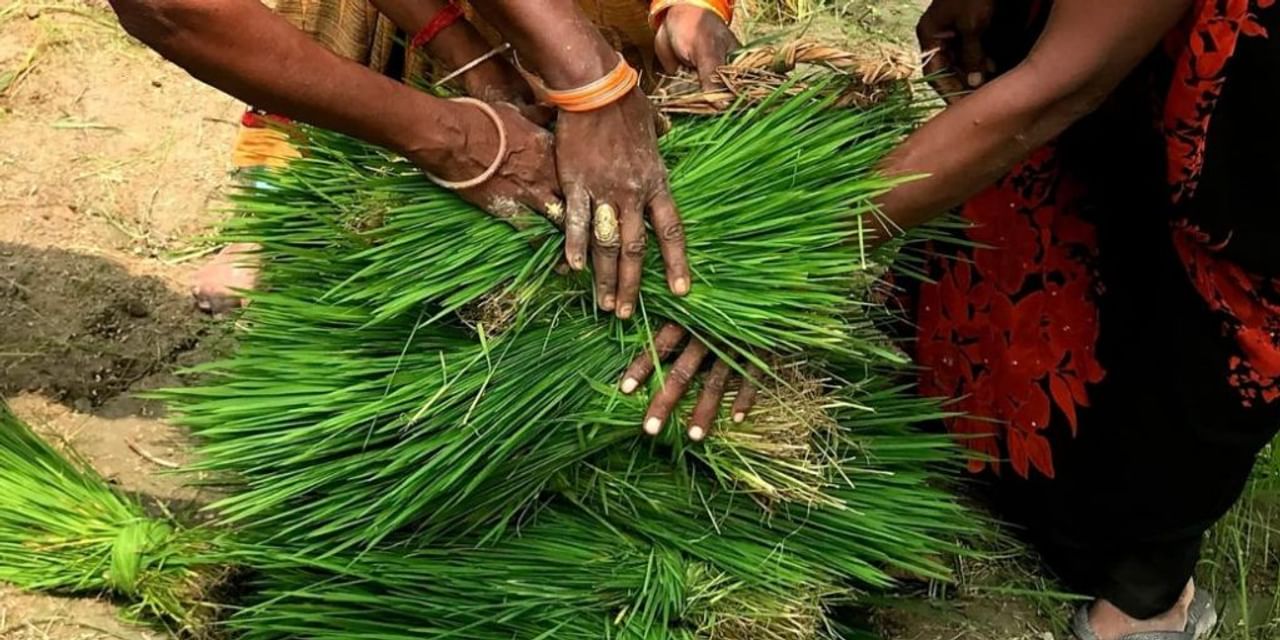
(379, 410)
(352, 385)
(631, 545)
(64, 529)
(565, 577)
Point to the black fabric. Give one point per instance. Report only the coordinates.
(1166, 446)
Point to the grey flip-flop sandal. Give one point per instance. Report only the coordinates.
(1201, 620)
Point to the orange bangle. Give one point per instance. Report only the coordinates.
(599, 94)
(658, 9)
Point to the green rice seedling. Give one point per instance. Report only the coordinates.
(423, 436)
(566, 576)
(360, 405)
(64, 529)
(874, 503)
(629, 545)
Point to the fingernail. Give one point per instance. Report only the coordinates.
(607, 302)
(739, 417)
(652, 426)
(575, 261)
(696, 433)
(681, 286)
(975, 78)
(630, 385)
(624, 311)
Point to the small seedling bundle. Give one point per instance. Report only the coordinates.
(420, 433)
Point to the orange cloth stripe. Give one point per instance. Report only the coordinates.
(722, 8)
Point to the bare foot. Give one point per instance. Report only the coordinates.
(215, 285)
(1110, 623)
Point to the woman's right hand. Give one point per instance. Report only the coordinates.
(525, 180)
(694, 38)
(953, 31)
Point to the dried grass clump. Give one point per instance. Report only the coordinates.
(864, 78)
(789, 450)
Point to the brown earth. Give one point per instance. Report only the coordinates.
(111, 167)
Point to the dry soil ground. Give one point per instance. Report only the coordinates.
(112, 164)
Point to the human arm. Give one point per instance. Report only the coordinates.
(1087, 48)
(242, 48)
(607, 158)
(459, 44)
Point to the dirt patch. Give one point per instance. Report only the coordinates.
(30, 617)
(83, 331)
(112, 168)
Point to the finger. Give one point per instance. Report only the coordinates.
(665, 343)
(939, 64)
(746, 398)
(973, 57)
(661, 123)
(973, 60)
(943, 76)
(670, 231)
(605, 241)
(577, 219)
(674, 386)
(704, 413)
(631, 262)
(930, 32)
(709, 73)
(538, 114)
(713, 53)
(666, 55)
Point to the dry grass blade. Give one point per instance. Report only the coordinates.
(757, 73)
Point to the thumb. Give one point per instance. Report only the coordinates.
(666, 54)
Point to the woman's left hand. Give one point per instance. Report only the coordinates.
(697, 39)
(676, 383)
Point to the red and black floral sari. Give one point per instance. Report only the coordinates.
(1115, 343)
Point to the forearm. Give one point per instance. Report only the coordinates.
(1088, 47)
(244, 49)
(455, 46)
(973, 143)
(554, 38)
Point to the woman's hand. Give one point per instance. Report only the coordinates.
(697, 39)
(612, 175)
(607, 159)
(677, 379)
(497, 81)
(953, 29)
(526, 178)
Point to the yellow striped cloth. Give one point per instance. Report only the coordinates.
(355, 30)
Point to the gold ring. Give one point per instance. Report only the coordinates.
(606, 226)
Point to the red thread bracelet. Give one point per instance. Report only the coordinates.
(254, 119)
(443, 19)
